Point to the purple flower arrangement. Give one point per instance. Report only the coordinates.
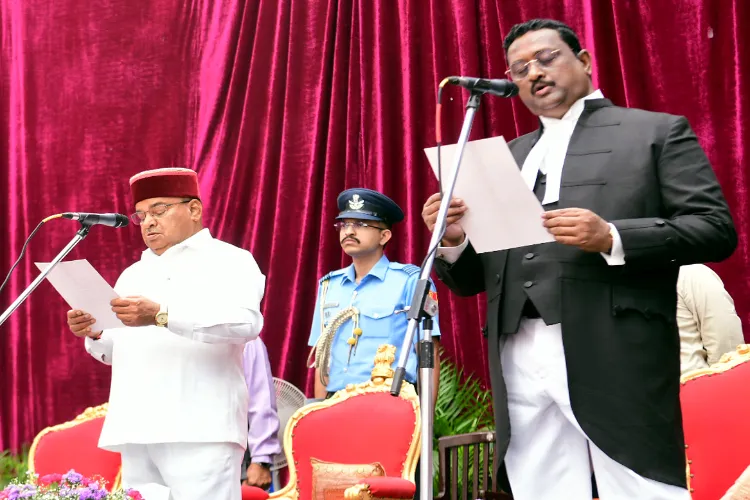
(68, 486)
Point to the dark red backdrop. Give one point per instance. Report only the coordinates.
(279, 105)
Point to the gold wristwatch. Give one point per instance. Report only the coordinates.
(161, 317)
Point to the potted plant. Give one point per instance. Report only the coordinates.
(13, 465)
(463, 405)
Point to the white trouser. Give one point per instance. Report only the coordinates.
(191, 471)
(549, 455)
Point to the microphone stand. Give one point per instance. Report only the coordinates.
(420, 309)
(80, 235)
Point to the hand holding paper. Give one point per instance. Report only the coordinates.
(579, 227)
(454, 233)
(80, 323)
(135, 311)
(502, 211)
(84, 289)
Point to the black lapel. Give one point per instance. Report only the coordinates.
(586, 143)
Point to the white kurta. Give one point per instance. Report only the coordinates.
(185, 382)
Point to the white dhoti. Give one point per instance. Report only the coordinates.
(191, 471)
(549, 456)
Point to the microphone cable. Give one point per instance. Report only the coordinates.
(439, 142)
(23, 249)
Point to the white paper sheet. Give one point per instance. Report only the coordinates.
(84, 288)
(502, 211)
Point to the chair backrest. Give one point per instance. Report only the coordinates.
(466, 465)
(74, 445)
(361, 424)
(715, 413)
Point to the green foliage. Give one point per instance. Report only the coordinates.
(463, 405)
(13, 465)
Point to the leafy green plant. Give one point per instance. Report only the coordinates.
(463, 405)
(13, 465)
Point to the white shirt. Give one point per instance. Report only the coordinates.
(708, 323)
(185, 382)
(548, 155)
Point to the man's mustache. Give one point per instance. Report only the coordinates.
(352, 238)
(538, 83)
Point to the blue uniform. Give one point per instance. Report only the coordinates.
(382, 298)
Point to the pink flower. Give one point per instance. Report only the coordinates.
(48, 479)
(134, 495)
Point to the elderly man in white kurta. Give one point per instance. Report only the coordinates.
(178, 399)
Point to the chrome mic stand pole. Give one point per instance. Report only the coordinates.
(80, 235)
(422, 309)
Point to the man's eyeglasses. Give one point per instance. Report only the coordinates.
(339, 225)
(544, 58)
(155, 211)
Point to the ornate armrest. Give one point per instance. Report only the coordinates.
(253, 493)
(373, 488)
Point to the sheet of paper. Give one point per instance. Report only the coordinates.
(502, 211)
(84, 288)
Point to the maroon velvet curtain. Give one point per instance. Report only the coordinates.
(280, 105)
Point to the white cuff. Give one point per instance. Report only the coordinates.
(178, 323)
(616, 257)
(451, 254)
(99, 349)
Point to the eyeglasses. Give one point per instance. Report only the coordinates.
(339, 225)
(156, 211)
(544, 59)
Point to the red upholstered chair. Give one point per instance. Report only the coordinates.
(74, 445)
(253, 493)
(360, 432)
(716, 412)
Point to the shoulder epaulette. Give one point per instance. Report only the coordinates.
(409, 269)
(331, 275)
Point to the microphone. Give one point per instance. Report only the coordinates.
(499, 88)
(111, 220)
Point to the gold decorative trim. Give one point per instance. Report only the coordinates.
(384, 358)
(90, 413)
(358, 492)
(729, 360)
(362, 492)
(382, 376)
(117, 485)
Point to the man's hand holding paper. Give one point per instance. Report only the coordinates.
(86, 292)
(508, 211)
(454, 233)
(502, 212)
(80, 323)
(135, 311)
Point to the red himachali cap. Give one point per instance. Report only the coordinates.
(164, 183)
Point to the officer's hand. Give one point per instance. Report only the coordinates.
(80, 323)
(257, 475)
(579, 227)
(135, 311)
(454, 233)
